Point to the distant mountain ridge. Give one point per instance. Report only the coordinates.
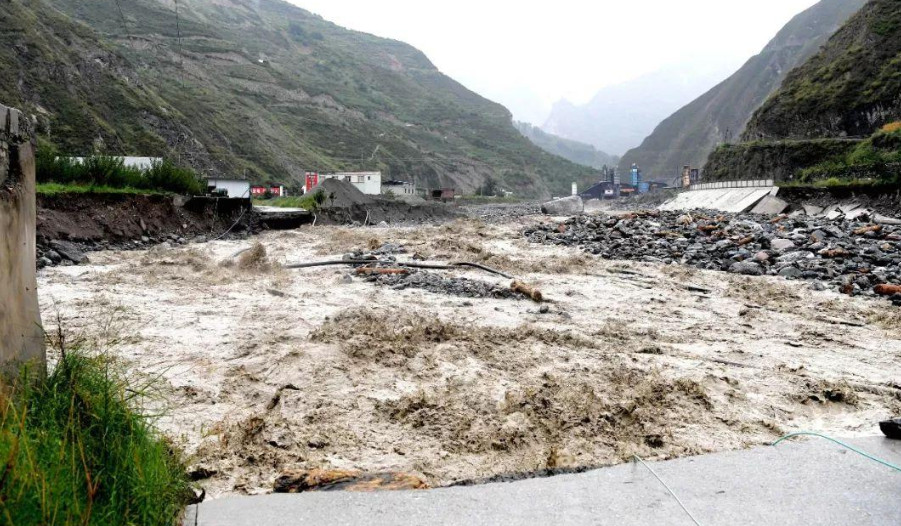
(618, 117)
(721, 114)
(257, 88)
(577, 152)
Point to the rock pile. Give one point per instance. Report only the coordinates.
(435, 283)
(502, 213)
(58, 252)
(852, 256)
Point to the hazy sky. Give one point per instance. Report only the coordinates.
(529, 54)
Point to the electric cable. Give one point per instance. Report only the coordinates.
(671, 492)
(839, 442)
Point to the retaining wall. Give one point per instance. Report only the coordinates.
(21, 333)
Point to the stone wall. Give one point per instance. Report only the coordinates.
(21, 334)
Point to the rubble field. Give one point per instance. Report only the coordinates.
(444, 375)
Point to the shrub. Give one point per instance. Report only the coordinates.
(100, 171)
(76, 452)
(166, 176)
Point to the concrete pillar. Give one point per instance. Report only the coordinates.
(21, 333)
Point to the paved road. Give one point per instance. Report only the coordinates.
(808, 482)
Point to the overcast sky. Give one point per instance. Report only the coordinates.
(529, 54)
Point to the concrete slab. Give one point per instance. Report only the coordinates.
(770, 205)
(808, 482)
(734, 200)
(813, 210)
(853, 215)
(847, 208)
(831, 210)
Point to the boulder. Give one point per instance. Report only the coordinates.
(69, 251)
(781, 245)
(791, 272)
(564, 207)
(747, 268)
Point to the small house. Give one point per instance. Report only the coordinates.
(370, 183)
(398, 188)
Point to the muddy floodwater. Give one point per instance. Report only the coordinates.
(259, 370)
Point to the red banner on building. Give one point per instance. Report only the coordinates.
(312, 180)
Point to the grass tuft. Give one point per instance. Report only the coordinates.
(75, 451)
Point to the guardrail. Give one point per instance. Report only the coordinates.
(758, 183)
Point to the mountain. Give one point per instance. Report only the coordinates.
(836, 117)
(852, 87)
(689, 135)
(620, 116)
(577, 152)
(256, 88)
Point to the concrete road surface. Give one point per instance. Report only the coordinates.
(806, 482)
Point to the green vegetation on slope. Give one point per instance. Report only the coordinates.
(260, 89)
(103, 171)
(849, 88)
(692, 133)
(876, 159)
(818, 162)
(577, 152)
(76, 453)
(781, 161)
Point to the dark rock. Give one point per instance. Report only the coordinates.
(790, 272)
(747, 268)
(70, 251)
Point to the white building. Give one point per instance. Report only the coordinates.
(234, 188)
(399, 188)
(370, 183)
(141, 163)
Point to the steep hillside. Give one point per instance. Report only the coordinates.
(257, 88)
(851, 87)
(688, 136)
(620, 116)
(577, 152)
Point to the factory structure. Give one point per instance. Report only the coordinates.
(611, 185)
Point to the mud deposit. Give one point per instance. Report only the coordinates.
(264, 371)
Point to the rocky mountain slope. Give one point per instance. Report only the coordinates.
(575, 151)
(689, 135)
(851, 87)
(619, 117)
(836, 117)
(256, 88)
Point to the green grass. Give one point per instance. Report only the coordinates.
(111, 172)
(76, 452)
(57, 189)
(873, 161)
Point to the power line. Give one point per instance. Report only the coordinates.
(122, 17)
